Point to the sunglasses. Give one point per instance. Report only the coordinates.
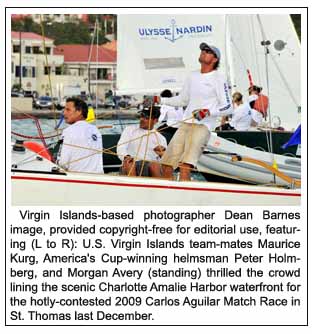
(209, 51)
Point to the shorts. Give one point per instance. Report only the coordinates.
(138, 167)
(187, 145)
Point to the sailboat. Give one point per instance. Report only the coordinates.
(38, 181)
(146, 40)
(163, 49)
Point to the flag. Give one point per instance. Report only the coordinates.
(295, 139)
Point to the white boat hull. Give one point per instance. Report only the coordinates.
(88, 189)
(216, 162)
(35, 183)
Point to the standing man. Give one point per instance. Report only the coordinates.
(262, 102)
(206, 95)
(140, 146)
(82, 142)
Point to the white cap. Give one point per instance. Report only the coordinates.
(252, 98)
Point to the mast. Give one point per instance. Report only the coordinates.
(229, 67)
(97, 63)
(265, 43)
(89, 59)
(20, 61)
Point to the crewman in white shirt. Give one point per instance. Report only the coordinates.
(256, 115)
(242, 115)
(82, 142)
(140, 146)
(206, 95)
(170, 116)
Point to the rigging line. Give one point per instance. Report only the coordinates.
(97, 65)
(270, 168)
(235, 157)
(283, 78)
(226, 35)
(255, 48)
(32, 137)
(47, 65)
(40, 133)
(36, 120)
(252, 43)
(89, 58)
(135, 158)
(31, 157)
(147, 139)
(252, 23)
(266, 52)
(134, 139)
(238, 52)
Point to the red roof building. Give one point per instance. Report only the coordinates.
(16, 17)
(112, 46)
(28, 35)
(80, 53)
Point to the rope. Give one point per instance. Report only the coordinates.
(33, 137)
(276, 172)
(147, 139)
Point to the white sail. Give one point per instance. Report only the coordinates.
(156, 52)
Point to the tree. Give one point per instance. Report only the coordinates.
(25, 24)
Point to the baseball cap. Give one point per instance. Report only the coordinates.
(154, 111)
(215, 50)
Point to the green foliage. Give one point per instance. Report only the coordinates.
(26, 24)
(67, 33)
(62, 33)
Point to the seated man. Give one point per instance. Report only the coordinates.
(82, 142)
(140, 146)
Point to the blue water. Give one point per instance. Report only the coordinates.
(28, 127)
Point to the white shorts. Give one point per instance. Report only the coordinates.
(187, 145)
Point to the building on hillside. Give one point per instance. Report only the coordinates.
(93, 64)
(33, 69)
(71, 69)
(60, 18)
(108, 21)
(16, 17)
(30, 64)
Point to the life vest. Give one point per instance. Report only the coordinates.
(38, 148)
(261, 104)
